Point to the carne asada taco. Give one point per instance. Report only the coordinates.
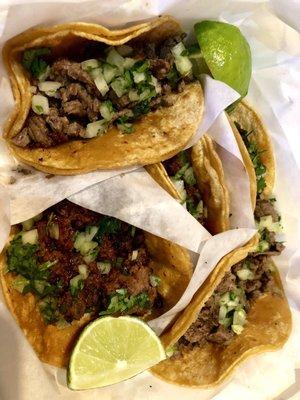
(195, 177)
(89, 98)
(241, 309)
(69, 265)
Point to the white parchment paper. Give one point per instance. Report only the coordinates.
(274, 94)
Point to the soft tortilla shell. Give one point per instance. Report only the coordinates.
(210, 178)
(211, 181)
(53, 345)
(268, 327)
(248, 119)
(157, 136)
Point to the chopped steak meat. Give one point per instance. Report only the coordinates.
(22, 139)
(160, 67)
(77, 101)
(264, 208)
(173, 165)
(75, 130)
(176, 167)
(65, 70)
(38, 131)
(207, 328)
(92, 292)
(74, 107)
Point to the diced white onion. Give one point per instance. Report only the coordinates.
(101, 85)
(83, 271)
(237, 329)
(139, 77)
(30, 237)
(88, 65)
(49, 87)
(40, 104)
(134, 255)
(104, 267)
(245, 274)
(95, 129)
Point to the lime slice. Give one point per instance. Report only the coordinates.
(226, 53)
(110, 350)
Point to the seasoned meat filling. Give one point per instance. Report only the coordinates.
(75, 100)
(224, 313)
(209, 327)
(180, 171)
(78, 261)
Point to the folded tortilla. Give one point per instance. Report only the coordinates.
(157, 136)
(53, 344)
(209, 174)
(269, 321)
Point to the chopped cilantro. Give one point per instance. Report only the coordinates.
(141, 66)
(33, 62)
(173, 77)
(120, 301)
(48, 308)
(255, 155)
(22, 260)
(108, 225)
(141, 108)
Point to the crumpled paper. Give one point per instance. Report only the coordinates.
(248, 381)
(26, 186)
(166, 218)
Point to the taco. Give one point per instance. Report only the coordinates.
(69, 265)
(241, 309)
(89, 98)
(195, 177)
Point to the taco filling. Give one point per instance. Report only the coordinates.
(225, 313)
(79, 262)
(100, 86)
(180, 171)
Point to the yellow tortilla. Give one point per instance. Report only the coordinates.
(248, 119)
(157, 136)
(211, 181)
(268, 327)
(269, 319)
(52, 344)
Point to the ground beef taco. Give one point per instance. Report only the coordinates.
(241, 309)
(69, 265)
(195, 177)
(89, 98)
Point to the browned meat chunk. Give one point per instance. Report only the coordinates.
(264, 208)
(38, 131)
(64, 70)
(74, 107)
(173, 165)
(78, 216)
(89, 103)
(161, 67)
(22, 139)
(75, 130)
(221, 336)
(164, 49)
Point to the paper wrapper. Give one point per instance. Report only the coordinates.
(28, 198)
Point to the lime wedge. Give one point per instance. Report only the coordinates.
(110, 350)
(226, 53)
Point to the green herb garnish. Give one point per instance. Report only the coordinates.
(121, 301)
(33, 62)
(255, 155)
(108, 225)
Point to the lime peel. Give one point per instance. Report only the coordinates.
(226, 53)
